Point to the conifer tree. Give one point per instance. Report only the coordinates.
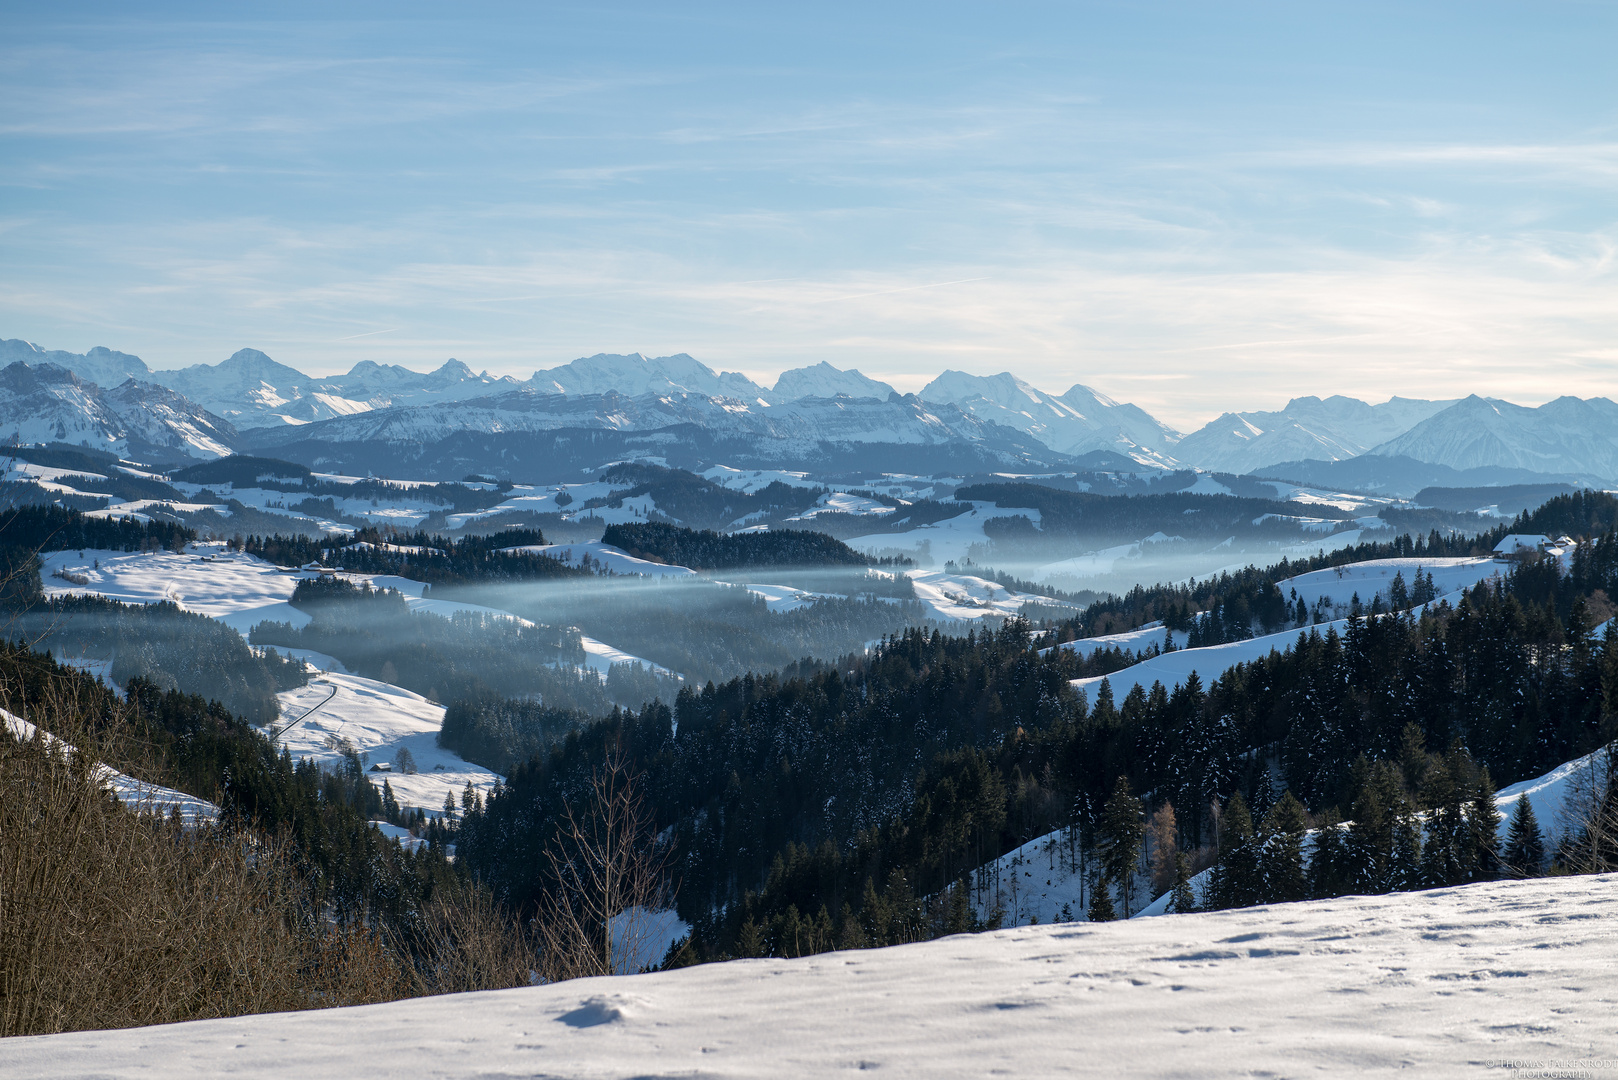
(1101, 909)
(1404, 869)
(1327, 874)
(1237, 880)
(1285, 826)
(1182, 899)
(1483, 825)
(1525, 844)
(1119, 837)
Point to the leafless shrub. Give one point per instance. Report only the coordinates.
(610, 877)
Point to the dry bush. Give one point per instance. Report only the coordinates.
(461, 941)
(115, 918)
(110, 918)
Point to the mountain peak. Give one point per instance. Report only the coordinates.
(824, 381)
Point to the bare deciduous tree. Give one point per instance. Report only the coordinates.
(610, 880)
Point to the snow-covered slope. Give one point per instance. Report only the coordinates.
(338, 712)
(45, 403)
(824, 381)
(1448, 983)
(632, 375)
(1309, 428)
(1339, 585)
(1568, 436)
(606, 557)
(1077, 422)
(138, 795)
(384, 385)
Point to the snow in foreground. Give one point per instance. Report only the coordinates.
(1444, 983)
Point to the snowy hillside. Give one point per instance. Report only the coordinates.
(138, 795)
(1046, 879)
(338, 712)
(1451, 982)
(1336, 587)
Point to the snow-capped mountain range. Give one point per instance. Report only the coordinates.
(250, 399)
(46, 403)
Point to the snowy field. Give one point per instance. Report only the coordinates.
(235, 588)
(605, 556)
(1209, 662)
(1339, 584)
(944, 541)
(376, 720)
(1448, 983)
(1129, 641)
(959, 597)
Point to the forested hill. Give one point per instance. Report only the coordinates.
(707, 550)
(1251, 593)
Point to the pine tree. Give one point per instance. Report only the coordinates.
(1327, 876)
(1101, 909)
(1285, 826)
(1182, 900)
(1525, 844)
(1237, 880)
(1119, 837)
(1404, 869)
(1483, 826)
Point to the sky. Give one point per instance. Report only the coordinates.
(1195, 207)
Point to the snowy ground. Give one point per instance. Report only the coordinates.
(138, 795)
(237, 589)
(377, 720)
(949, 540)
(1339, 584)
(841, 502)
(615, 560)
(754, 480)
(1454, 982)
(1130, 641)
(1209, 662)
(952, 597)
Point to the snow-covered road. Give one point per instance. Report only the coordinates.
(1436, 984)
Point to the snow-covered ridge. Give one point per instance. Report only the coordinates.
(1442, 983)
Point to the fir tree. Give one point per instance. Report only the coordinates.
(1101, 909)
(1285, 826)
(1182, 900)
(1483, 826)
(1119, 837)
(1327, 874)
(1525, 844)
(1237, 880)
(1404, 868)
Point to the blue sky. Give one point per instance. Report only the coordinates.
(1190, 206)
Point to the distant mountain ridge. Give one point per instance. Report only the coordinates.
(252, 399)
(1308, 428)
